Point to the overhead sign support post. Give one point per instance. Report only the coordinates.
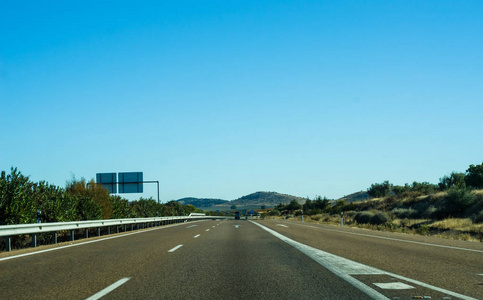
(157, 182)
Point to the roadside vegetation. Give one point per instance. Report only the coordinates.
(23, 201)
(453, 208)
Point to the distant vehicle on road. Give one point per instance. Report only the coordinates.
(237, 215)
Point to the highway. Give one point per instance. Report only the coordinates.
(240, 259)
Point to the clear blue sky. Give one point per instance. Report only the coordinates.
(220, 99)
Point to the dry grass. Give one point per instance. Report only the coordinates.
(409, 222)
(438, 195)
(452, 223)
(458, 224)
(457, 229)
(458, 236)
(478, 192)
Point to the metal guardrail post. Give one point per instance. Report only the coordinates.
(87, 233)
(72, 235)
(55, 237)
(8, 244)
(98, 231)
(34, 240)
(125, 227)
(108, 230)
(132, 227)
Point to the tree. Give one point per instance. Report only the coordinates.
(87, 192)
(16, 203)
(474, 176)
(455, 179)
(233, 206)
(120, 207)
(378, 190)
(320, 203)
(293, 205)
(423, 187)
(308, 205)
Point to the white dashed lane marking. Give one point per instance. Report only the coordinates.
(176, 248)
(197, 236)
(108, 289)
(207, 229)
(282, 225)
(191, 226)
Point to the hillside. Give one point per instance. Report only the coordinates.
(201, 203)
(268, 199)
(251, 201)
(357, 196)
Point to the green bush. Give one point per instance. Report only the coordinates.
(275, 212)
(456, 202)
(380, 218)
(478, 218)
(350, 213)
(16, 193)
(363, 217)
(422, 229)
(402, 213)
(430, 212)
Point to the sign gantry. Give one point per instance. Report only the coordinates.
(128, 182)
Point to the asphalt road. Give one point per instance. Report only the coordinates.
(247, 260)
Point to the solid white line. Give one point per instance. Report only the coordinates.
(197, 236)
(345, 268)
(176, 248)
(108, 289)
(89, 242)
(392, 239)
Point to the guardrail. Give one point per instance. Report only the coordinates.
(8, 231)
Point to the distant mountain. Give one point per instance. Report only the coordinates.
(252, 201)
(358, 196)
(266, 198)
(201, 202)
